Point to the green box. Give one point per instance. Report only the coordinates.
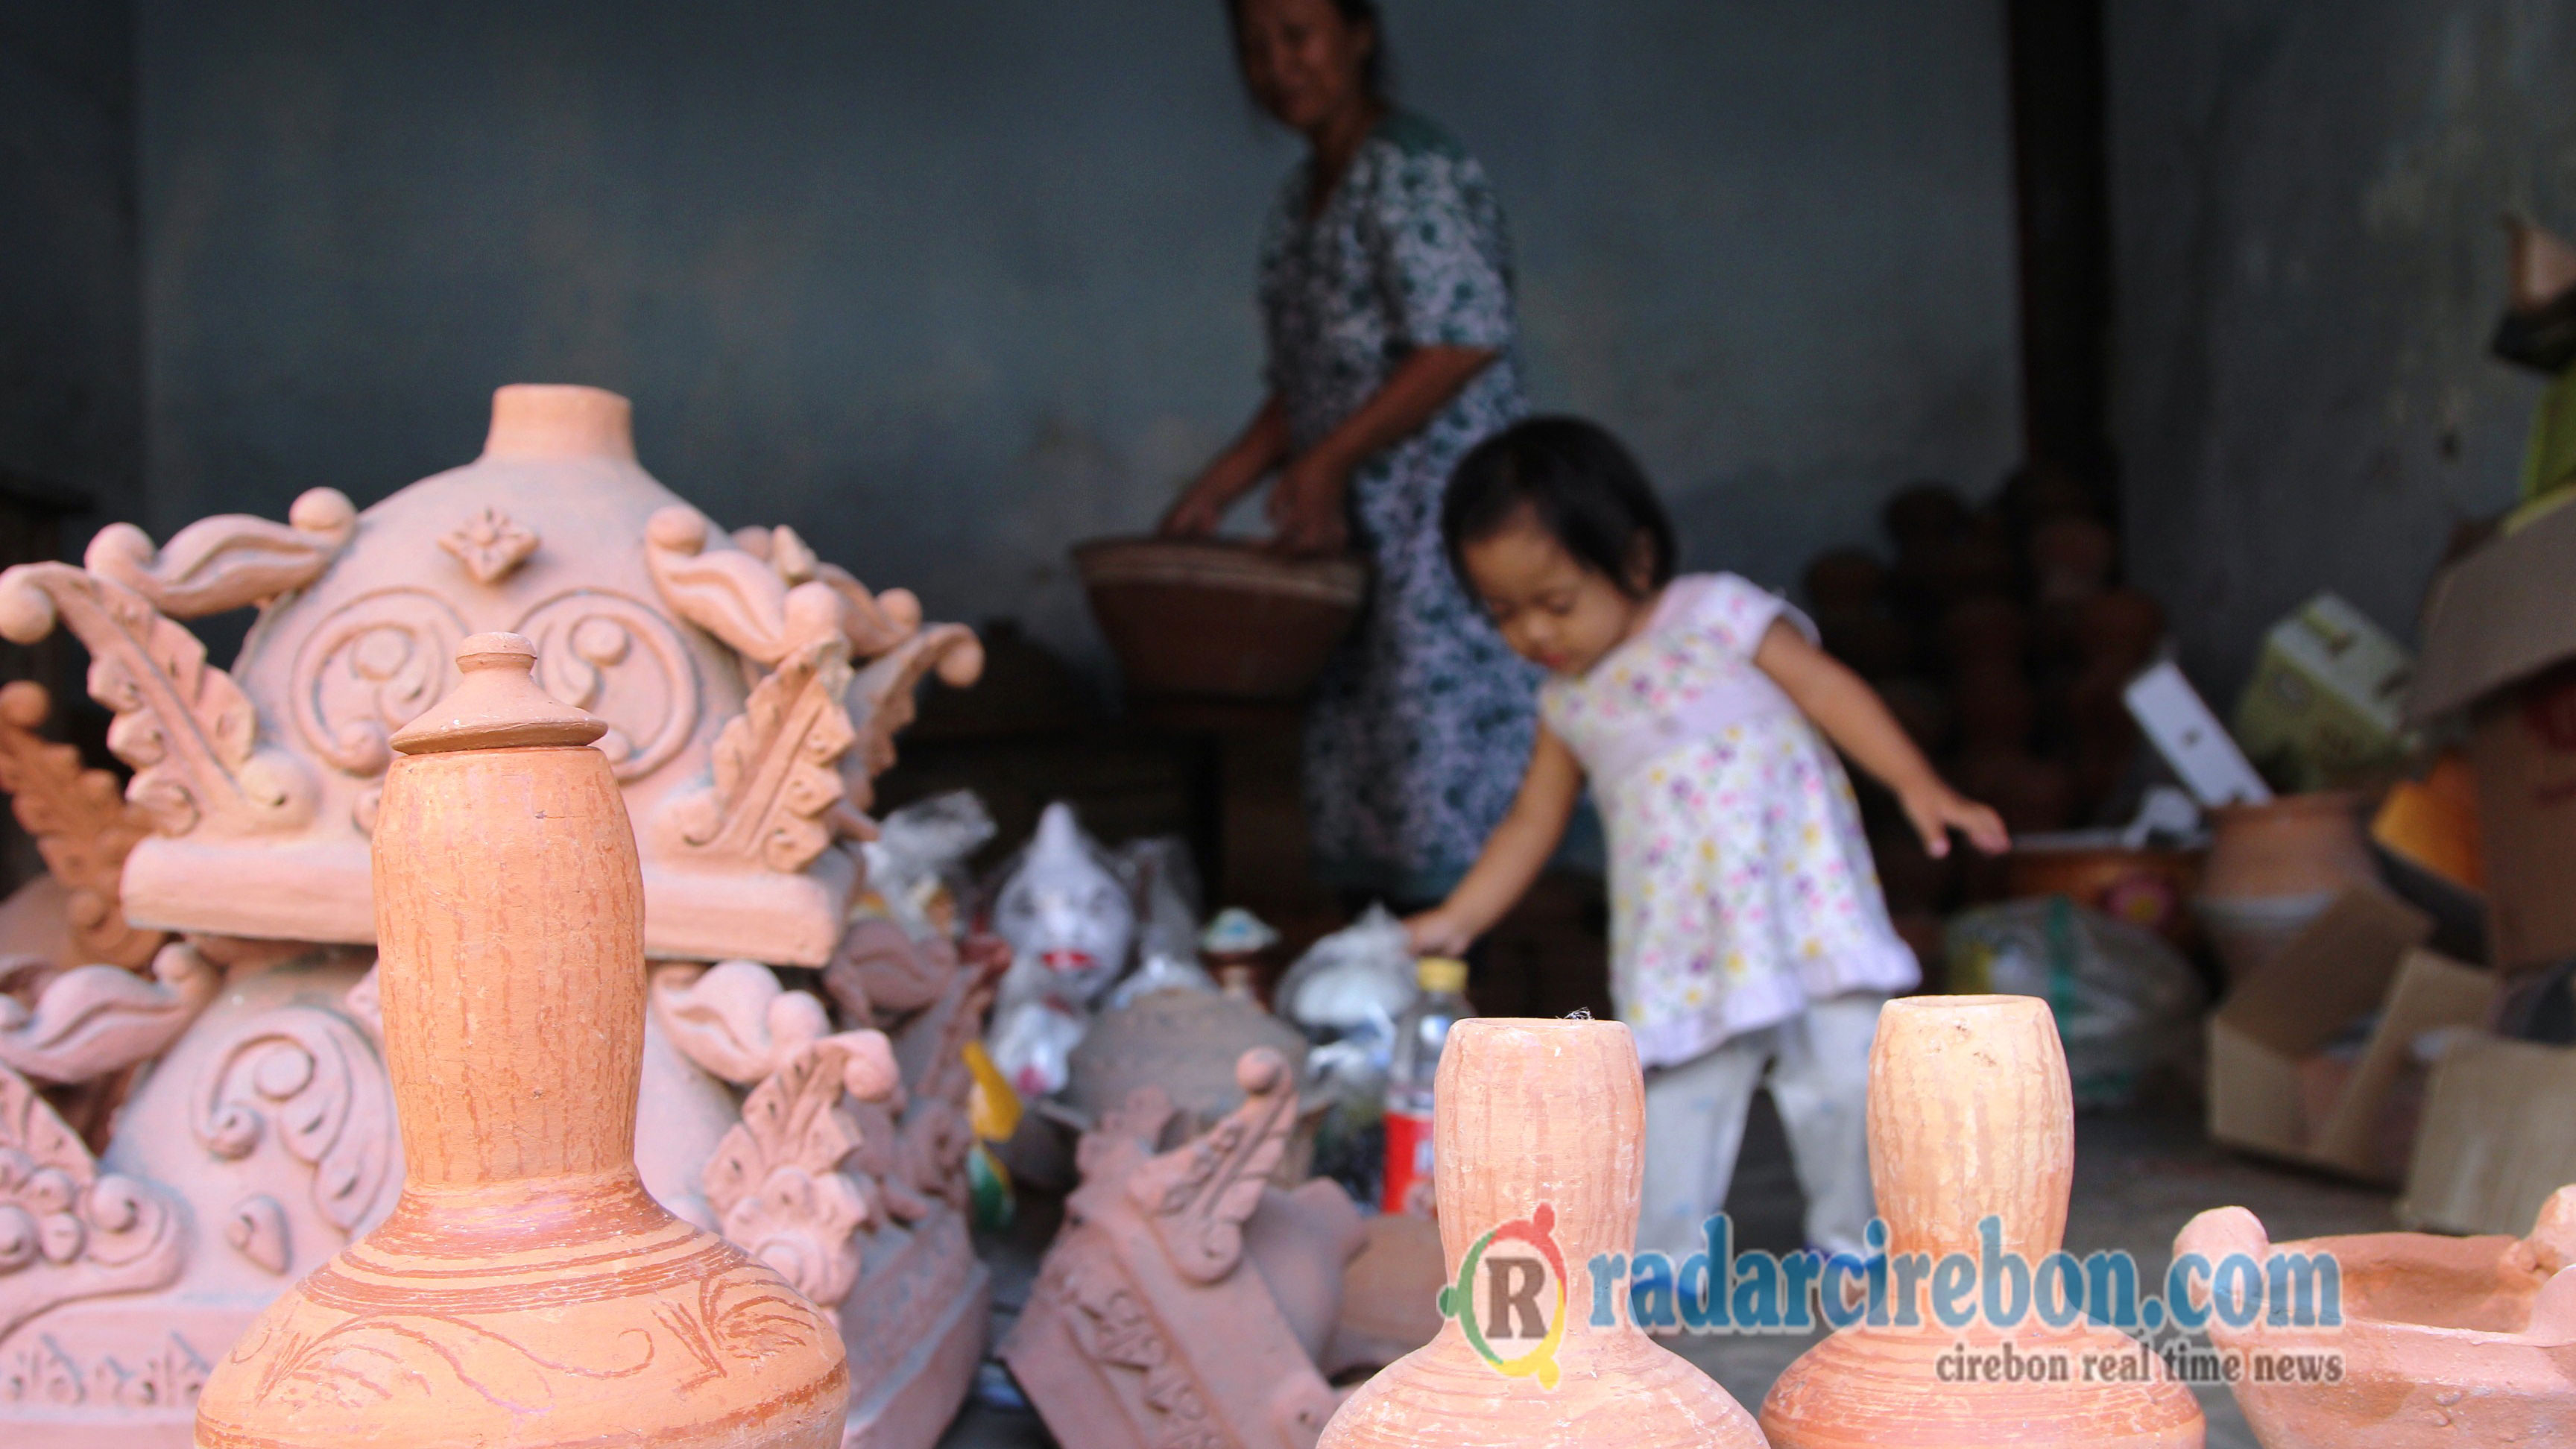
(2324, 708)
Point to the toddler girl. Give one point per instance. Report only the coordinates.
(1747, 929)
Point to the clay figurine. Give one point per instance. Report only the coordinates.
(1972, 1150)
(1539, 1129)
(2443, 1341)
(1069, 922)
(525, 1289)
(1188, 1298)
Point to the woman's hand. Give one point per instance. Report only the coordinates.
(1437, 933)
(1936, 810)
(1307, 502)
(1200, 510)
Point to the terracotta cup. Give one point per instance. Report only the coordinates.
(525, 1290)
(1971, 1117)
(1539, 1134)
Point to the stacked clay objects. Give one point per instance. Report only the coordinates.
(1971, 1119)
(1539, 1138)
(525, 1289)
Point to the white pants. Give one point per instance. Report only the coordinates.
(1818, 1065)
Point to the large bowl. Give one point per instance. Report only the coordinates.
(1216, 618)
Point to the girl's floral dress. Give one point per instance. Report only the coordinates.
(1421, 726)
(1741, 886)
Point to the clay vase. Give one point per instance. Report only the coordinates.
(2275, 867)
(1970, 1115)
(525, 1290)
(1539, 1133)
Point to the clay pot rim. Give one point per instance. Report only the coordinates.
(1947, 1002)
(1231, 564)
(2309, 802)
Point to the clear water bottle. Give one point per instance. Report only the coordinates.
(1419, 1035)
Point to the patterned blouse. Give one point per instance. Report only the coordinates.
(1421, 728)
(1741, 887)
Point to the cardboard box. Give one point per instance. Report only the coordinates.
(2325, 707)
(2272, 1087)
(2500, 643)
(2497, 1139)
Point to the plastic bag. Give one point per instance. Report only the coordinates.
(1345, 993)
(2125, 1001)
(1165, 887)
(917, 863)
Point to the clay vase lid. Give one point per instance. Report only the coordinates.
(1539, 1130)
(497, 705)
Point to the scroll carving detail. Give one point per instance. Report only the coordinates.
(230, 560)
(778, 799)
(190, 733)
(93, 1020)
(368, 670)
(309, 1077)
(621, 661)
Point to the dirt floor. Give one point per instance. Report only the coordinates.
(2140, 1176)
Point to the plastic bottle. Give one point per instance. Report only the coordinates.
(1419, 1035)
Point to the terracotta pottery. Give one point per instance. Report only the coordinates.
(1872, 641)
(1185, 1042)
(1187, 1297)
(2444, 1341)
(1540, 1136)
(1994, 705)
(1390, 1294)
(215, 1107)
(525, 1289)
(1987, 631)
(2071, 559)
(1208, 617)
(1846, 578)
(2118, 631)
(1971, 1115)
(2275, 867)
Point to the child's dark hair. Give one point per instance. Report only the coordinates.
(1578, 484)
(1376, 73)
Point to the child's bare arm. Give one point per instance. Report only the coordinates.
(1853, 716)
(1513, 854)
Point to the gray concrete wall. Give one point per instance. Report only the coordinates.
(2309, 267)
(949, 286)
(70, 338)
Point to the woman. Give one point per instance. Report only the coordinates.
(1386, 295)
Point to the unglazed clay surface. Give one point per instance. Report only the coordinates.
(750, 691)
(1186, 1299)
(1541, 1125)
(2444, 1341)
(526, 1290)
(1971, 1116)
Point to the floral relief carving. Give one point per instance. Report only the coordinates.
(734, 1019)
(230, 560)
(41, 1373)
(67, 1230)
(309, 1078)
(491, 545)
(83, 825)
(368, 670)
(882, 698)
(1199, 1194)
(776, 1180)
(621, 661)
(190, 733)
(778, 799)
(1111, 1326)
